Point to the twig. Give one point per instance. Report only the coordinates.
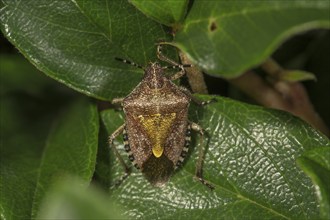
(195, 76)
(288, 96)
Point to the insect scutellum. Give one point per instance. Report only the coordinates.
(157, 131)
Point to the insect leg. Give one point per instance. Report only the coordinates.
(178, 75)
(117, 101)
(185, 149)
(112, 137)
(164, 58)
(195, 100)
(175, 64)
(201, 154)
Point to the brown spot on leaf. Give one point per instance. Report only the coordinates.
(213, 26)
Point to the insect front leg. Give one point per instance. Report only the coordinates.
(201, 154)
(112, 137)
(117, 102)
(175, 65)
(161, 56)
(178, 75)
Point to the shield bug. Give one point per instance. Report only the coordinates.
(157, 131)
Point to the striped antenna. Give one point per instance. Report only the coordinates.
(129, 62)
(177, 66)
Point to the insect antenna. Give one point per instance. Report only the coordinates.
(177, 66)
(128, 62)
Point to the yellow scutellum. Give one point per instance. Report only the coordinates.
(157, 127)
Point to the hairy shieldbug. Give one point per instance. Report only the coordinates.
(157, 131)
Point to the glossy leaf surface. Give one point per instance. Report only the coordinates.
(228, 37)
(250, 160)
(76, 42)
(316, 163)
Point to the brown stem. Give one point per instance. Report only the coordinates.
(290, 97)
(195, 76)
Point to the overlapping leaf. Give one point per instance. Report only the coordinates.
(168, 12)
(76, 42)
(316, 163)
(228, 37)
(69, 199)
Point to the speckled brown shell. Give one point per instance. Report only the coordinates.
(144, 100)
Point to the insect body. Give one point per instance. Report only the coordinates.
(156, 132)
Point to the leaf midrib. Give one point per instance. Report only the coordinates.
(37, 183)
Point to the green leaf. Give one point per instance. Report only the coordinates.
(26, 114)
(70, 148)
(76, 42)
(32, 156)
(167, 12)
(250, 158)
(103, 175)
(296, 76)
(228, 37)
(316, 164)
(24, 126)
(68, 199)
